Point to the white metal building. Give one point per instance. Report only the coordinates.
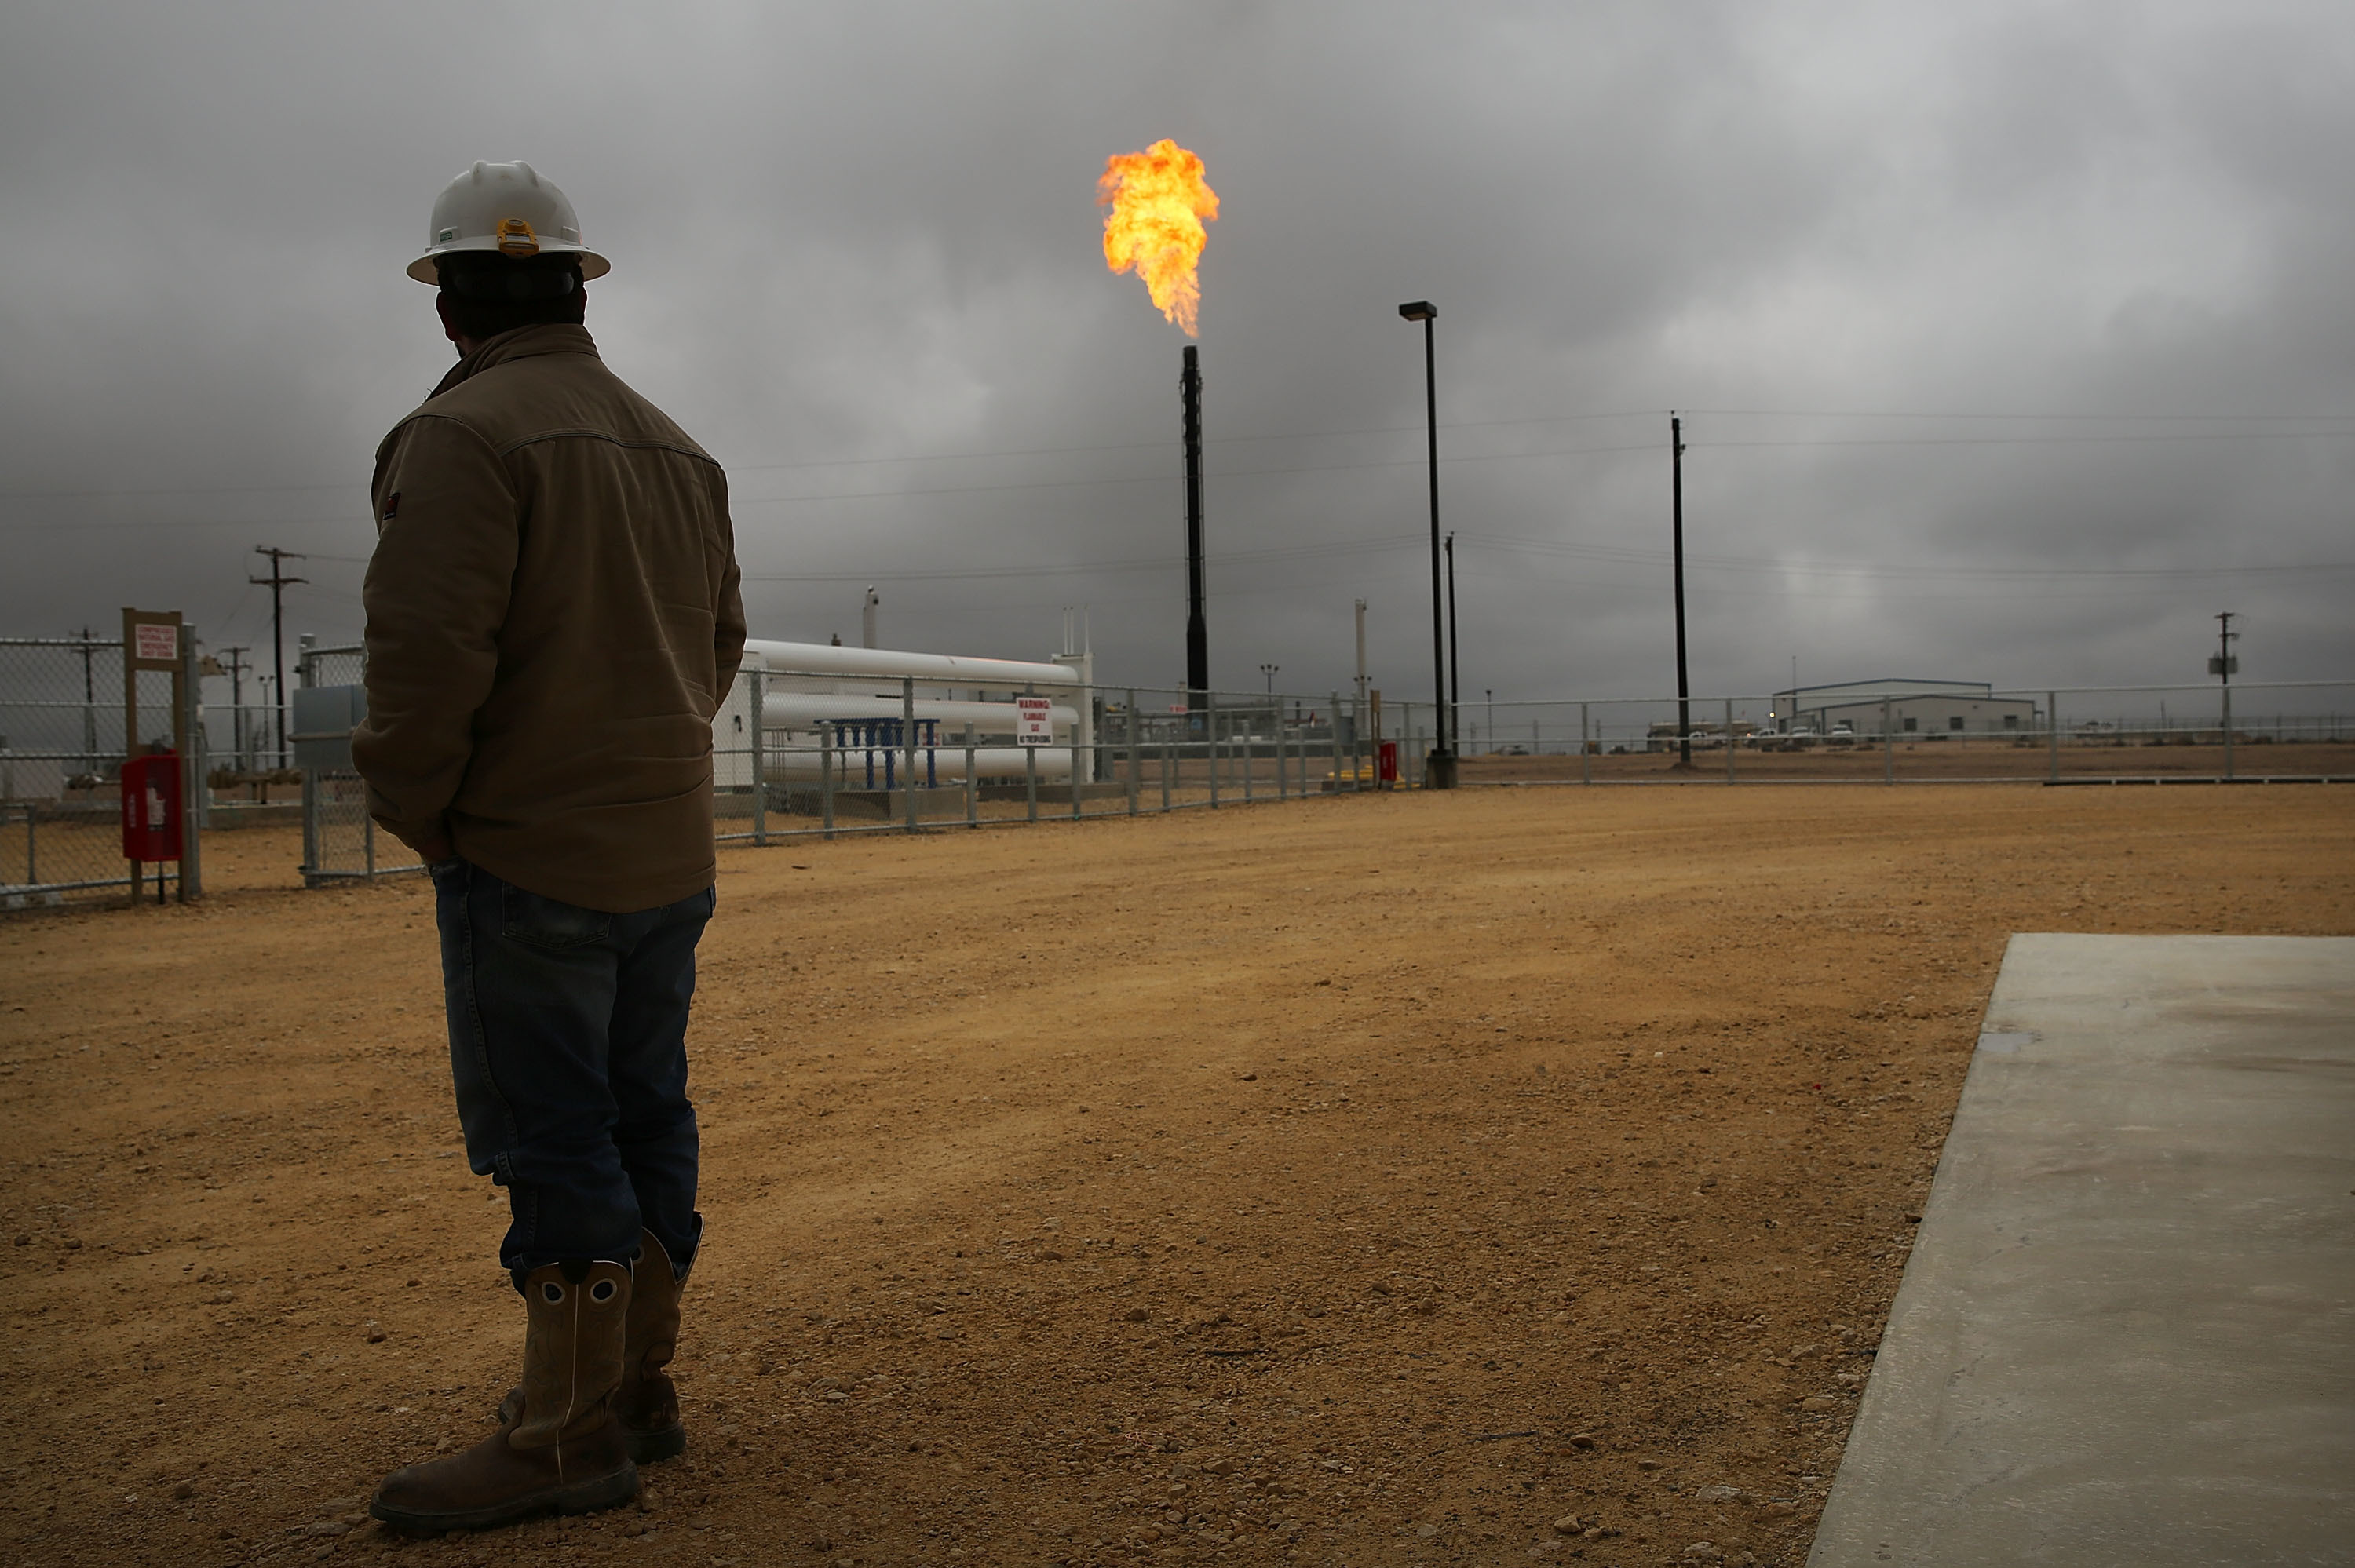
(1911, 707)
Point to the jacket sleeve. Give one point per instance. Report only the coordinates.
(727, 617)
(436, 597)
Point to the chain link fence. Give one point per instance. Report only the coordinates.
(341, 842)
(1917, 733)
(802, 753)
(63, 714)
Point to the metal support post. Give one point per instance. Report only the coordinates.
(756, 690)
(1087, 701)
(1031, 765)
(1210, 732)
(2228, 729)
(908, 742)
(1729, 740)
(826, 736)
(1888, 744)
(2052, 736)
(972, 785)
(1165, 770)
(192, 769)
(1135, 763)
(1586, 762)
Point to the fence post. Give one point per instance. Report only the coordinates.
(1585, 767)
(972, 784)
(908, 742)
(1031, 763)
(1887, 744)
(1135, 763)
(1729, 740)
(2052, 736)
(1210, 737)
(1087, 703)
(310, 790)
(2228, 730)
(192, 771)
(826, 736)
(1165, 781)
(756, 690)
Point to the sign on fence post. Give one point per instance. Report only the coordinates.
(151, 640)
(1034, 721)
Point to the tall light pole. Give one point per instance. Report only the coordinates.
(1677, 512)
(1439, 768)
(1454, 659)
(1269, 671)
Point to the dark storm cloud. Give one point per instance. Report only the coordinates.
(856, 246)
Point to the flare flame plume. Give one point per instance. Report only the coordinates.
(1158, 203)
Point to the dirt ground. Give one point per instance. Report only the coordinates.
(1519, 1174)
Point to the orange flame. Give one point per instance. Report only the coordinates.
(1158, 204)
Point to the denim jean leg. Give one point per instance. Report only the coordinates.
(656, 1130)
(531, 983)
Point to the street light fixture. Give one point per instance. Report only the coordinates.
(1269, 671)
(1439, 768)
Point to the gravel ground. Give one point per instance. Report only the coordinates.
(1520, 1175)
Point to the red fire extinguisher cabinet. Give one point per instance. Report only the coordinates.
(150, 807)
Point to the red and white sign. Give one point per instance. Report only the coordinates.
(155, 640)
(1034, 721)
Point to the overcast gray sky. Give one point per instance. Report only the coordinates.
(2014, 340)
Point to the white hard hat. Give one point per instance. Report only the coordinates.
(508, 208)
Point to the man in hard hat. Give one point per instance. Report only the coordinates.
(552, 619)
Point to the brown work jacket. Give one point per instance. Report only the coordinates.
(552, 618)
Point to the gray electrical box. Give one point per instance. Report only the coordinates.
(2219, 665)
(325, 717)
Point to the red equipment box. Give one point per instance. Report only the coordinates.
(150, 807)
(1387, 767)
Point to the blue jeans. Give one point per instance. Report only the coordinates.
(568, 1047)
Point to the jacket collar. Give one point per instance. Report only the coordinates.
(523, 343)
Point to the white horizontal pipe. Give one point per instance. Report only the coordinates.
(805, 710)
(949, 669)
(801, 766)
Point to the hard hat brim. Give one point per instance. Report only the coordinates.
(593, 266)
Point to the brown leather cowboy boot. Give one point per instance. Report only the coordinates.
(647, 1401)
(565, 1453)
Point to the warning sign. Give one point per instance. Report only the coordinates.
(1034, 721)
(158, 643)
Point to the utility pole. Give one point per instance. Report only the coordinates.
(1361, 660)
(1684, 687)
(1490, 693)
(237, 666)
(2222, 666)
(278, 582)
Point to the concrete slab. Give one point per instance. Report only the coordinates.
(2127, 1334)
